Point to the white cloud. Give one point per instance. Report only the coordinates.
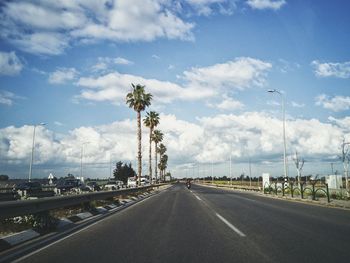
(298, 105)
(200, 83)
(6, 98)
(57, 123)
(105, 63)
(42, 43)
(208, 7)
(122, 61)
(330, 69)
(230, 104)
(240, 73)
(62, 75)
(10, 64)
(48, 27)
(266, 4)
(155, 56)
(113, 87)
(254, 134)
(337, 103)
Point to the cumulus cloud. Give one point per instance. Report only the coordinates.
(49, 27)
(336, 103)
(254, 134)
(241, 73)
(330, 69)
(62, 75)
(199, 83)
(266, 4)
(10, 64)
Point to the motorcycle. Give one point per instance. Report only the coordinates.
(188, 185)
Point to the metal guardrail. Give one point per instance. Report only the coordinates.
(10, 209)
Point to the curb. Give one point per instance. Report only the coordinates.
(17, 238)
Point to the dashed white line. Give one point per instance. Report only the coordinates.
(230, 225)
(198, 197)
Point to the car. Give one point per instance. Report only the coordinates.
(132, 182)
(113, 185)
(93, 186)
(71, 185)
(29, 187)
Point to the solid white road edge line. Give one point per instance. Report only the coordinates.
(230, 225)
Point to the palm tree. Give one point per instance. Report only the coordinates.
(161, 150)
(157, 137)
(163, 164)
(138, 99)
(151, 121)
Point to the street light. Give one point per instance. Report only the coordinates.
(284, 131)
(33, 144)
(81, 159)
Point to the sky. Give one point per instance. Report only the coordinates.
(207, 63)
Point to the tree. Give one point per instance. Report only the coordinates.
(151, 121)
(4, 177)
(161, 150)
(157, 137)
(138, 99)
(299, 163)
(123, 171)
(163, 164)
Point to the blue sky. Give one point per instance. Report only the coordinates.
(208, 64)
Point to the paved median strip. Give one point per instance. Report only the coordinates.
(240, 233)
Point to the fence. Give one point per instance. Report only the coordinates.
(302, 190)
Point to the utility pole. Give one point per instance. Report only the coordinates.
(33, 147)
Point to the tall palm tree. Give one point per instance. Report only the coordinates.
(151, 121)
(157, 137)
(163, 164)
(138, 99)
(161, 150)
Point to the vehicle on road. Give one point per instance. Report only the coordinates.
(29, 187)
(132, 182)
(93, 186)
(113, 185)
(188, 184)
(73, 185)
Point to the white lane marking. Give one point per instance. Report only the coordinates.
(230, 225)
(198, 197)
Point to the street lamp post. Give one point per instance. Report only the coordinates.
(284, 131)
(230, 168)
(33, 146)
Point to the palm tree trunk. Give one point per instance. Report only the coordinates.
(150, 156)
(155, 166)
(139, 156)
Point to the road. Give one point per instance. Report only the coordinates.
(209, 225)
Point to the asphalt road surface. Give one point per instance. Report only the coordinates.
(209, 225)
